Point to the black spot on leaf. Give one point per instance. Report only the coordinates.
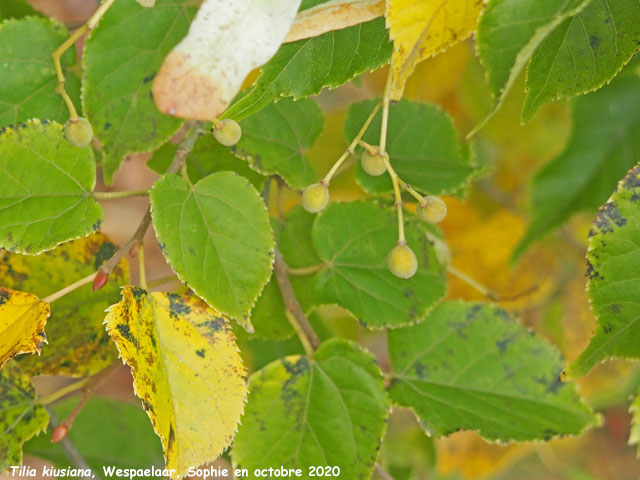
(124, 330)
(4, 296)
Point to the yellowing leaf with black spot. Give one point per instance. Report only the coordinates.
(186, 370)
(425, 28)
(20, 417)
(77, 343)
(22, 320)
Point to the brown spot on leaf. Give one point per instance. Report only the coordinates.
(182, 90)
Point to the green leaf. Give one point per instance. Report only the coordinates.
(354, 239)
(77, 342)
(508, 34)
(301, 412)
(45, 188)
(29, 79)
(603, 146)
(613, 278)
(470, 366)
(16, 9)
(583, 53)
(105, 432)
(293, 237)
(307, 4)
(217, 238)
(274, 140)
(422, 144)
(121, 57)
(20, 419)
(305, 67)
(207, 157)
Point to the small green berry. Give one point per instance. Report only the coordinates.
(315, 197)
(227, 132)
(401, 261)
(433, 210)
(79, 132)
(373, 164)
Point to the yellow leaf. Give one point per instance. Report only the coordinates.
(420, 29)
(468, 454)
(186, 370)
(481, 246)
(22, 320)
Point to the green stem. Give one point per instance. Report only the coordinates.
(162, 281)
(57, 54)
(68, 289)
(305, 270)
(409, 189)
(385, 158)
(351, 149)
(58, 394)
(121, 194)
(142, 274)
(184, 148)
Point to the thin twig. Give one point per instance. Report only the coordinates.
(296, 315)
(70, 449)
(485, 291)
(88, 389)
(382, 473)
(179, 158)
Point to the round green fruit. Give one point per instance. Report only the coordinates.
(432, 210)
(373, 164)
(315, 197)
(78, 131)
(227, 132)
(402, 262)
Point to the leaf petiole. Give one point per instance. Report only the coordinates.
(351, 149)
(121, 194)
(306, 270)
(57, 54)
(69, 288)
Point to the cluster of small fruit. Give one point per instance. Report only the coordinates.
(401, 261)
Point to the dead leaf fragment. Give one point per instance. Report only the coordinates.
(334, 15)
(226, 41)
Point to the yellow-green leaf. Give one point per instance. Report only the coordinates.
(77, 343)
(22, 320)
(186, 370)
(420, 30)
(20, 417)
